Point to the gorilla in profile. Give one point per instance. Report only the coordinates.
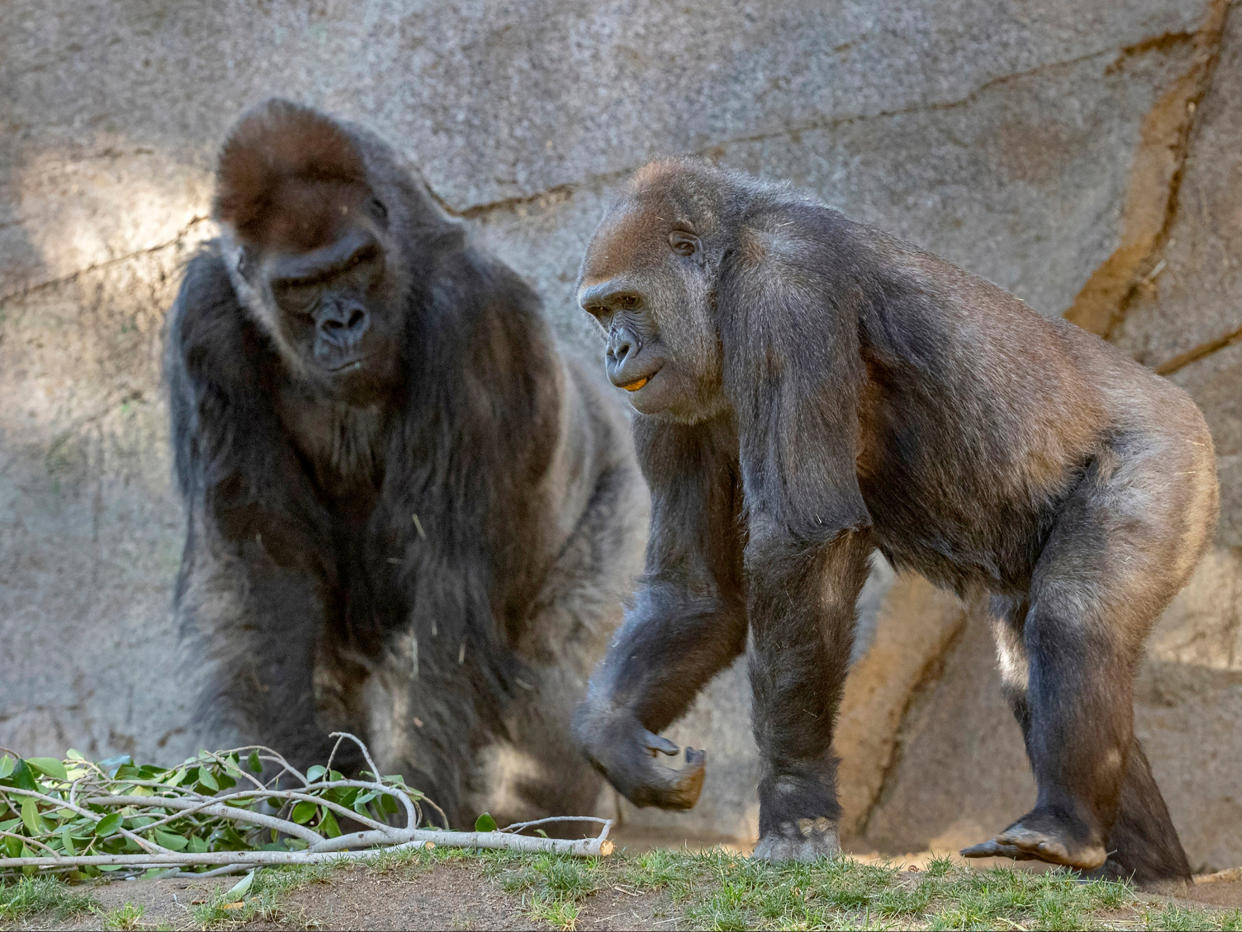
(810, 389)
(408, 516)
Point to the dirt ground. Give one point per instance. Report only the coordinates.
(440, 895)
(451, 895)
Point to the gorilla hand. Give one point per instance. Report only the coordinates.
(619, 747)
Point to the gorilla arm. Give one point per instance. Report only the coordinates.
(688, 621)
(248, 603)
(793, 374)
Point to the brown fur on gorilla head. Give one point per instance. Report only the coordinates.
(286, 177)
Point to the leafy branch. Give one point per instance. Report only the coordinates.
(224, 811)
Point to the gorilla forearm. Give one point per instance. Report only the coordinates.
(252, 628)
(801, 607)
(671, 644)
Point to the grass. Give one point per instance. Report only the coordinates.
(708, 890)
(123, 918)
(551, 887)
(33, 895)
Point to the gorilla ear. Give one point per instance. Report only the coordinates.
(284, 174)
(793, 372)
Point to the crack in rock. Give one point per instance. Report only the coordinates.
(1155, 180)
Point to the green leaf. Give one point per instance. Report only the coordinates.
(23, 778)
(485, 823)
(303, 812)
(208, 779)
(66, 841)
(170, 841)
(360, 803)
(12, 846)
(328, 826)
(108, 825)
(30, 817)
(315, 772)
(49, 766)
(253, 762)
(7, 766)
(241, 888)
(197, 845)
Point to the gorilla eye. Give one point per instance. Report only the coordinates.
(683, 243)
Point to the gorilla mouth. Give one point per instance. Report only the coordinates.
(356, 363)
(639, 382)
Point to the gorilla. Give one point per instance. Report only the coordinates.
(408, 515)
(809, 389)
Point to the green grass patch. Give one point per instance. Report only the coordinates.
(34, 895)
(123, 918)
(41, 895)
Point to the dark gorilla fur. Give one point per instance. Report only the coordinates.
(408, 516)
(811, 389)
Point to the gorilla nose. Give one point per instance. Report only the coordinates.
(621, 345)
(343, 325)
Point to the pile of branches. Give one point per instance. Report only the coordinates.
(225, 811)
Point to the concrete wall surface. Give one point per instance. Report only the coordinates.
(1085, 154)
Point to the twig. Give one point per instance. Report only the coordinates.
(185, 807)
(599, 846)
(518, 826)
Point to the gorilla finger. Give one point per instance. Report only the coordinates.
(661, 744)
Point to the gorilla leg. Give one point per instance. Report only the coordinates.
(1067, 663)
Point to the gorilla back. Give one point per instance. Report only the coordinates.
(407, 515)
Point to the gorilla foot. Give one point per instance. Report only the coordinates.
(1042, 836)
(807, 840)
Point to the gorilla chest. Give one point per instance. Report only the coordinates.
(342, 446)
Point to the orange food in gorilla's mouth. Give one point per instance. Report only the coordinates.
(637, 384)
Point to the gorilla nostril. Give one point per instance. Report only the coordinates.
(356, 318)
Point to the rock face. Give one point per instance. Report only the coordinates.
(1087, 156)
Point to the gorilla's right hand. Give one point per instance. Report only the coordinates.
(623, 750)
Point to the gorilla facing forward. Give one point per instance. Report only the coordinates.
(407, 515)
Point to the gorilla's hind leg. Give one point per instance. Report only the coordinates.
(1068, 657)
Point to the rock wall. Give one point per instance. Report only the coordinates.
(1085, 155)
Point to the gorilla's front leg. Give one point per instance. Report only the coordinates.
(801, 607)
